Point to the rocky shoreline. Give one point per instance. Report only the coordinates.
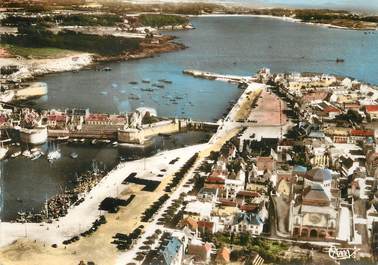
(26, 70)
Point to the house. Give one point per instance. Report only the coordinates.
(198, 210)
(207, 227)
(106, 119)
(247, 222)
(234, 183)
(361, 135)
(285, 145)
(330, 111)
(214, 183)
(265, 163)
(208, 194)
(223, 256)
(246, 197)
(313, 97)
(199, 250)
(171, 254)
(57, 120)
(190, 223)
(371, 112)
(347, 166)
(338, 134)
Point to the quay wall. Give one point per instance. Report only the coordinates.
(166, 127)
(92, 134)
(133, 135)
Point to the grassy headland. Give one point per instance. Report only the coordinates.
(36, 53)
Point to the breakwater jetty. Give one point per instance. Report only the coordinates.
(214, 76)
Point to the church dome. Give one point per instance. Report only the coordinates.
(319, 174)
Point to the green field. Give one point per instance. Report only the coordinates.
(37, 53)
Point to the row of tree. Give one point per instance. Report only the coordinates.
(40, 37)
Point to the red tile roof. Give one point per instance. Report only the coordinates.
(56, 118)
(247, 193)
(205, 225)
(226, 202)
(330, 109)
(371, 108)
(190, 222)
(248, 207)
(366, 133)
(215, 180)
(97, 117)
(223, 255)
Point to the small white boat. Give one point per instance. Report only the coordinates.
(63, 137)
(115, 143)
(3, 152)
(94, 141)
(16, 154)
(26, 153)
(54, 155)
(74, 155)
(36, 156)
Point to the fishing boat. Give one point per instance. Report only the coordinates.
(339, 60)
(3, 149)
(16, 154)
(3, 152)
(134, 97)
(26, 153)
(146, 81)
(165, 81)
(63, 137)
(147, 89)
(133, 82)
(54, 154)
(36, 156)
(106, 69)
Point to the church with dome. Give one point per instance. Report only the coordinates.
(314, 207)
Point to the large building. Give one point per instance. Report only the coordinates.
(314, 210)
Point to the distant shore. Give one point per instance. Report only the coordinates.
(289, 19)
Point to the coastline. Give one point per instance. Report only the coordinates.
(288, 19)
(30, 69)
